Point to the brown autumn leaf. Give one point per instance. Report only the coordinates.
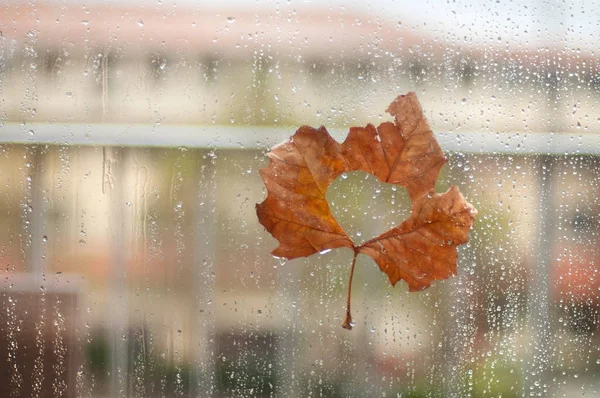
(421, 249)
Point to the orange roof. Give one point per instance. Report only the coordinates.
(316, 33)
(234, 32)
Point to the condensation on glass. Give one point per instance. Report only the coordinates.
(132, 262)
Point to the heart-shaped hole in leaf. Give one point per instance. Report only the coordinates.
(419, 250)
(366, 207)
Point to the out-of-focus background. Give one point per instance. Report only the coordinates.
(133, 265)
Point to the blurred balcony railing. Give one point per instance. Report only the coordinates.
(261, 137)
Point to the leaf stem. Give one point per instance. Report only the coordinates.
(348, 321)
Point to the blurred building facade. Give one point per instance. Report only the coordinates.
(100, 63)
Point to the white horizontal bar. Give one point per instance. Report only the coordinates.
(202, 136)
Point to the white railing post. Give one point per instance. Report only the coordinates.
(113, 182)
(203, 338)
(538, 311)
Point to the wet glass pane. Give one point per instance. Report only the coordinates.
(132, 261)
